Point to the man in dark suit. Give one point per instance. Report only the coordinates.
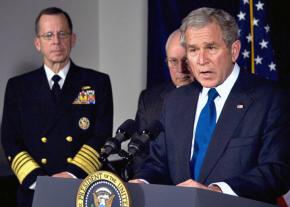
(151, 100)
(229, 130)
(57, 117)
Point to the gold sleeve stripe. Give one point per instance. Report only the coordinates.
(23, 165)
(92, 157)
(19, 160)
(18, 157)
(88, 163)
(92, 153)
(87, 159)
(78, 162)
(92, 150)
(22, 174)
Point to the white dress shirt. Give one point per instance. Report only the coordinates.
(62, 73)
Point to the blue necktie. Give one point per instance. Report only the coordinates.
(204, 129)
(56, 88)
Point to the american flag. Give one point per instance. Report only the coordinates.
(256, 52)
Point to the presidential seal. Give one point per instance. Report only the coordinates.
(84, 123)
(103, 189)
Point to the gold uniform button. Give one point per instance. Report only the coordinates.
(69, 139)
(43, 139)
(69, 159)
(9, 158)
(44, 161)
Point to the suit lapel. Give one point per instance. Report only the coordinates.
(183, 130)
(71, 88)
(47, 106)
(233, 111)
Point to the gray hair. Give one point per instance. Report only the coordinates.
(201, 17)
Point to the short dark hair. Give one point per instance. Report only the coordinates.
(52, 11)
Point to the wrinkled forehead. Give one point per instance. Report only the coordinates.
(204, 35)
(54, 21)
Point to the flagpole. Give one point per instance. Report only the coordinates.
(252, 35)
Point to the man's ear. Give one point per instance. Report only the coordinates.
(235, 50)
(37, 43)
(73, 39)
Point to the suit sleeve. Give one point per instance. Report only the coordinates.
(23, 165)
(271, 174)
(155, 168)
(141, 112)
(87, 160)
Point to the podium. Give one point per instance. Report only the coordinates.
(61, 192)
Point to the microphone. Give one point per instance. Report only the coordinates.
(138, 143)
(113, 144)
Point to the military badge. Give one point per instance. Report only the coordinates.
(84, 123)
(86, 87)
(103, 189)
(85, 96)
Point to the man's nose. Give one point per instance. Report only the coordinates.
(201, 59)
(55, 38)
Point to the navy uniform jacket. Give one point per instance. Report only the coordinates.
(40, 137)
(249, 149)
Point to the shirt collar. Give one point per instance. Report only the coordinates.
(225, 88)
(62, 73)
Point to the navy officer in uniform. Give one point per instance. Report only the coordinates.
(57, 117)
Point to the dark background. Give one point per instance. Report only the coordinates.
(165, 16)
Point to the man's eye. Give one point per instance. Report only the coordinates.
(192, 52)
(211, 47)
(63, 34)
(48, 35)
(174, 61)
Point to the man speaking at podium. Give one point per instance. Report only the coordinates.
(55, 118)
(229, 130)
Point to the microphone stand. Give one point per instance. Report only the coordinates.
(106, 162)
(127, 158)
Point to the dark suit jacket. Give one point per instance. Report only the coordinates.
(50, 133)
(249, 149)
(150, 104)
(149, 109)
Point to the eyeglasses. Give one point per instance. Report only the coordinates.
(51, 35)
(173, 62)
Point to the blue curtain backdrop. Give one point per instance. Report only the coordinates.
(165, 16)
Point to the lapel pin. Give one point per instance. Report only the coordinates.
(240, 106)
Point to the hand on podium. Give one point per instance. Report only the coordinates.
(193, 183)
(63, 175)
(138, 181)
